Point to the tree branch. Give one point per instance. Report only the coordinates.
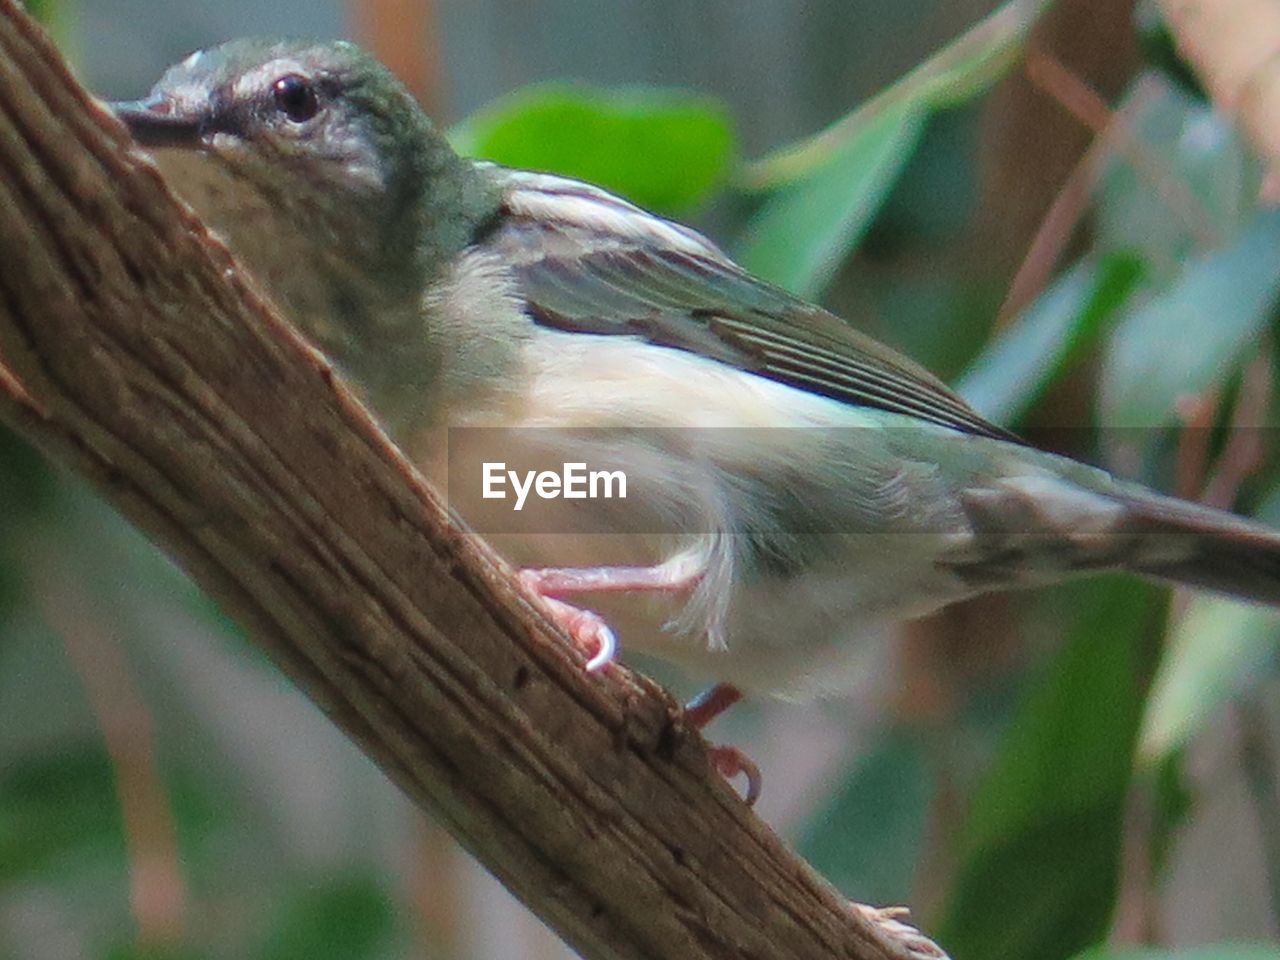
(135, 351)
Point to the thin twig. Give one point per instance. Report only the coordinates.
(1075, 96)
(1196, 413)
(1257, 760)
(1053, 234)
(157, 892)
(1242, 455)
(1137, 920)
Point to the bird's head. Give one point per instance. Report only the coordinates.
(287, 110)
(318, 167)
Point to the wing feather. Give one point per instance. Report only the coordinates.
(590, 262)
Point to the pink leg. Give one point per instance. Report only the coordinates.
(588, 629)
(595, 638)
(566, 581)
(730, 761)
(710, 703)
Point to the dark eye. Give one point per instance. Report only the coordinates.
(295, 97)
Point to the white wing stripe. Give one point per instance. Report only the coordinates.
(545, 198)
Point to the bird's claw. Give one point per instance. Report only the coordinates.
(731, 762)
(588, 630)
(892, 921)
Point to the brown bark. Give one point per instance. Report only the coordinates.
(134, 351)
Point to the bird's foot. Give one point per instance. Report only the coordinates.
(892, 922)
(710, 703)
(588, 630)
(594, 637)
(730, 761)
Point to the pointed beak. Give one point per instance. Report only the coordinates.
(156, 122)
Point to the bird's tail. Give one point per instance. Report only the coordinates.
(1040, 528)
(1198, 546)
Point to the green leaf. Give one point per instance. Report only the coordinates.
(1213, 951)
(143, 951)
(1173, 801)
(57, 811)
(340, 919)
(1045, 827)
(26, 484)
(802, 233)
(825, 190)
(958, 72)
(42, 10)
(663, 149)
(1192, 336)
(1040, 344)
(867, 837)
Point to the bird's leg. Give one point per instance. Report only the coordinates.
(563, 582)
(588, 629)
(730, 761)
(595, 638)
(710, 703)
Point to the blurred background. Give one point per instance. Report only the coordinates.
(1036, 200)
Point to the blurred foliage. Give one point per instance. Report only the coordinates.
(799, 237)
(42, 10)
(55, 15)
(1206, 320)
(868, 835)
(631, 141)
(24, 484)
(962, 69)
(346, 919)
(824, 191)
(293, 846)
(57, 811)
(1216, 650)
(137, 951)
(1221, 951)
(1161, 50)
(1046, 823)
(1039, 347)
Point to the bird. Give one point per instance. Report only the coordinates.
(795, 490)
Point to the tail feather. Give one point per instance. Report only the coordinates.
(1198, 546)
(1039, 528)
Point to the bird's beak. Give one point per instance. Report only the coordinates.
(157, 122)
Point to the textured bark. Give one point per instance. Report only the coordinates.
(135, 351)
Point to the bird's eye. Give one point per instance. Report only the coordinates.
(296, 97)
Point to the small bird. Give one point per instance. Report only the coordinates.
(794, 488)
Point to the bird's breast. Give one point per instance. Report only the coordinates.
(795, 508)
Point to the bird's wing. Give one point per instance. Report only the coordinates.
(592, 263)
